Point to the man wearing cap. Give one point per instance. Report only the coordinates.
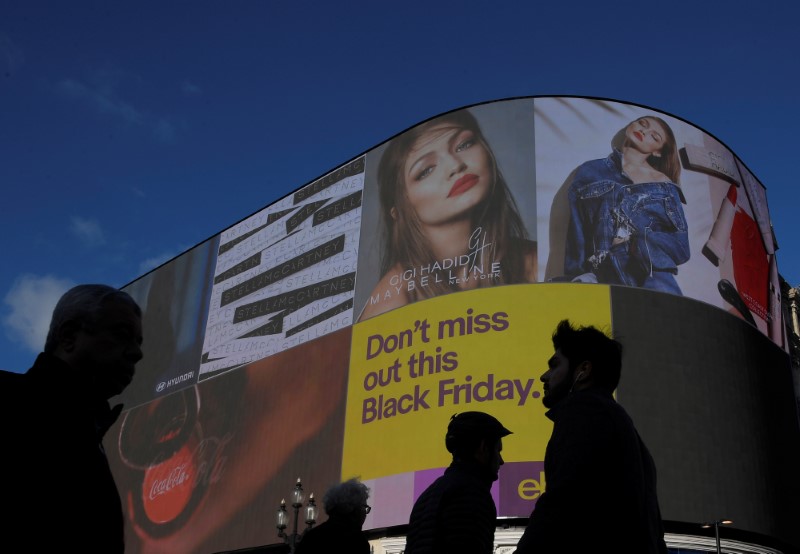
(601, 480)
(457, 513)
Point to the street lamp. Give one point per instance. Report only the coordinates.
(282, 517)
(715, 525)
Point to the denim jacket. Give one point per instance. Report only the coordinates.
(646, 219)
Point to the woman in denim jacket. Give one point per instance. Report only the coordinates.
(627, 225)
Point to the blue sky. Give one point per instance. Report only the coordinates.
(130, 132)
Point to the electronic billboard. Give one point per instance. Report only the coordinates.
(334, 332)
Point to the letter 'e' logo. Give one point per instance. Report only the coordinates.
(531, 489)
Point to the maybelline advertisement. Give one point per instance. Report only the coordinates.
(449, 206)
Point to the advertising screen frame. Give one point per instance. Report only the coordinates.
(261, 362)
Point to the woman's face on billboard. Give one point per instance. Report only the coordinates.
(646, 135)
(447, 172)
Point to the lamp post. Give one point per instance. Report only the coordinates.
(282, 517)
(715, 525)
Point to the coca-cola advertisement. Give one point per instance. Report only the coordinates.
(204, 469)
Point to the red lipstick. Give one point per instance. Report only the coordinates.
(463, 184)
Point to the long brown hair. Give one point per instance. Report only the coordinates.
(669, 162)
(403, 239)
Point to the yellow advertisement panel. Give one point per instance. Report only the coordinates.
(412, 368)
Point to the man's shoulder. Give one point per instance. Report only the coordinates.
(431, 492)
(595, 407)
(465, 476)
(12, 386)
(11, 377)
(44, 367)
(453, 484)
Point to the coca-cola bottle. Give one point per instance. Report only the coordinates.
(159, 442)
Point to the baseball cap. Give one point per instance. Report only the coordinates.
(467, 426)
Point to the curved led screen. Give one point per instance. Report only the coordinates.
(334, 332)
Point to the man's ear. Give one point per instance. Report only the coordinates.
(67, 335)
(480, 451)
(583, 373)
(393, 213)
